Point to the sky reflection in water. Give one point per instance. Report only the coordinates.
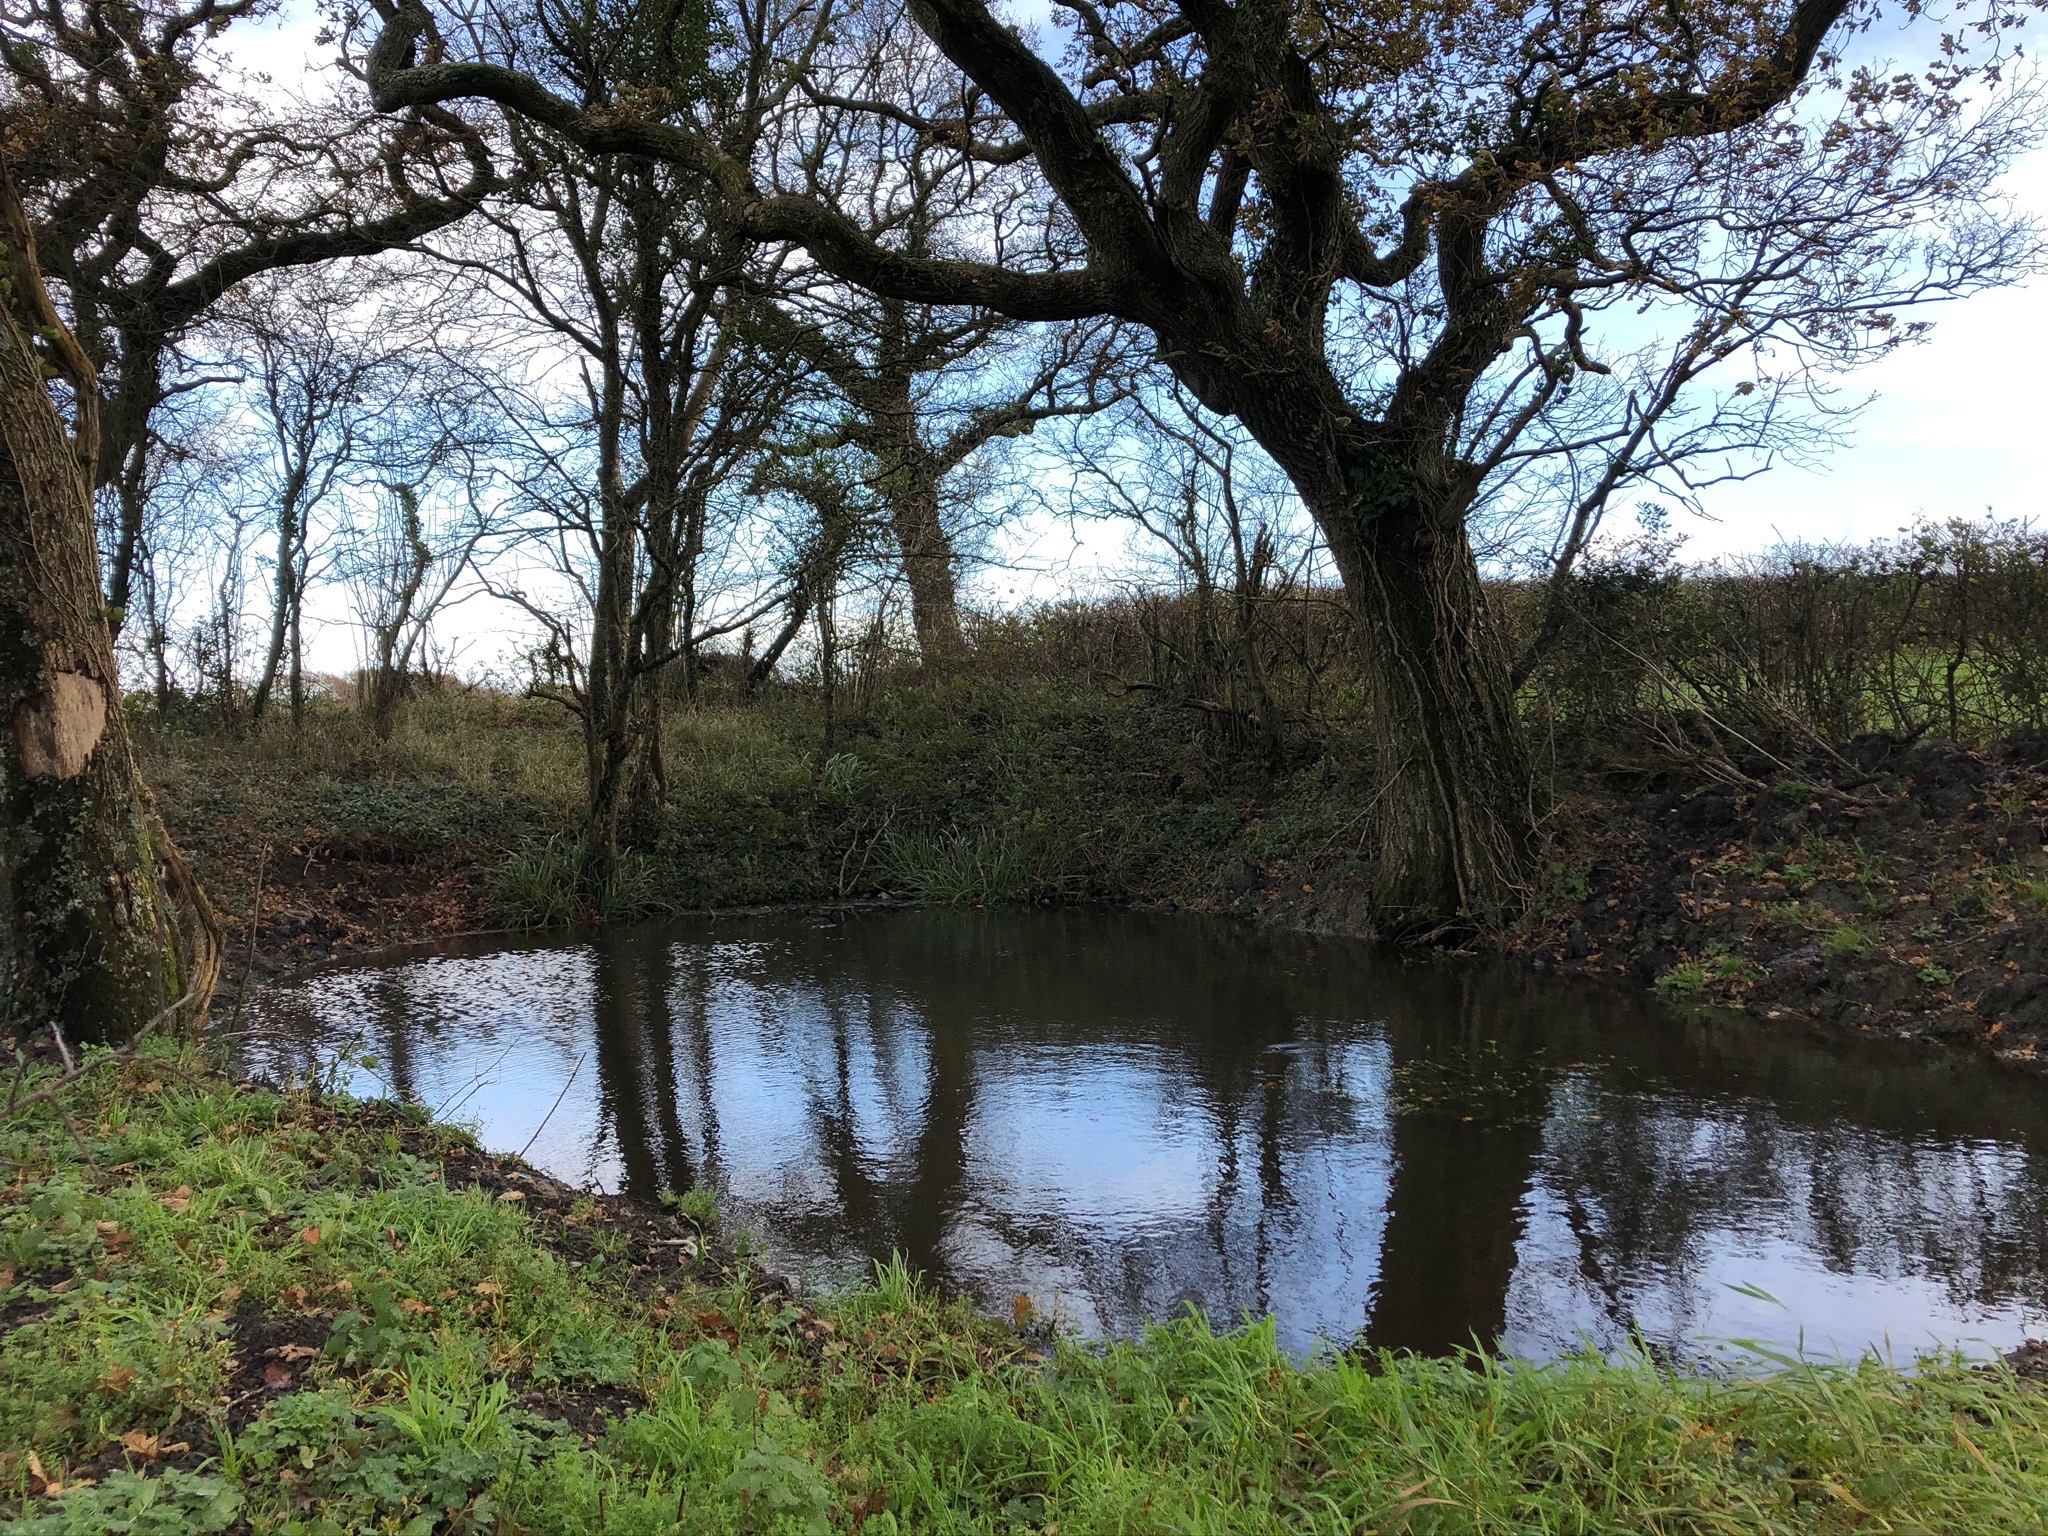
(1121, 1113)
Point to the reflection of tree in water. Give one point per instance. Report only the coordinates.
(871, 1071)
(1455, 1209)
(1654, 1191)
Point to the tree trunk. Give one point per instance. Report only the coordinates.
(104, 929)
(1454, 814)
(284, 598)
(909, 484)
(928, 563)
(609, 714)
(1452, 806)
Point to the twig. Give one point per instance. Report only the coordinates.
(544, 1119)
(475, 1083)
(162, 1015)
(63, 1050)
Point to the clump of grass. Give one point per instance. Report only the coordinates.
(1849, 938)
(1691, 979)
(539, 886)
(981, 868)
(886, 1409)
(1797, 915)
(697, 1205)
(549, 885)
(2027, 888)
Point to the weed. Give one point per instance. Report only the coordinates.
(1483, 1085)
(1691, 979)
(171, 1503)
(1935, 976)
(1572, 882)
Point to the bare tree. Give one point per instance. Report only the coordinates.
(1219, 512)
(630, 292)
(407, 565)
(930, 387)
(156, 182)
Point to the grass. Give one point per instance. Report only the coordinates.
(449, 1335)
(977, 868)
(1690, 979)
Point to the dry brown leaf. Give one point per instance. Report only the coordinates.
(178, 1200)
(277, 1374)
(309, 1236)
(412, 1306)
(119, 1379)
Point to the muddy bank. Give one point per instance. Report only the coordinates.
(1895, 888)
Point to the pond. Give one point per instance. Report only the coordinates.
(1120, 1114)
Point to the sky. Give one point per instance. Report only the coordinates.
(1954, 428)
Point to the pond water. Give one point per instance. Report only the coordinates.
(1120, 1114)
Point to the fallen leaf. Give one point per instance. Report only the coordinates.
(293, 1296)
(309, 1236)
(489, 1288)
(412, 1306)
(149, 1447)
(119, 1379)
(277, 1374)
(297, 1352)
(513, 1194)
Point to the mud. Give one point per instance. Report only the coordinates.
(1896, 888)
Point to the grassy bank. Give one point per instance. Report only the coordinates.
(1890, 886)
(231, 1308)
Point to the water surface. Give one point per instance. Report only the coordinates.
(1120, 1114)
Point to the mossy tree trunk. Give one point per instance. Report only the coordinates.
(103, 930)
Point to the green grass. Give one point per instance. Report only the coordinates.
(978, 868)
(1692, 978)
(1849, 938)
(885, 1410)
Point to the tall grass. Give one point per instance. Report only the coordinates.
(981, 867)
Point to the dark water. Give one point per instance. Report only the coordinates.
(1121, 1113)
